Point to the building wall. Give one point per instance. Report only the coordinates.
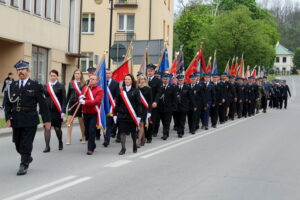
(280, 65)
(98, 42)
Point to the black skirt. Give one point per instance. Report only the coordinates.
(56, 119)
(71, 112)
(126, 127)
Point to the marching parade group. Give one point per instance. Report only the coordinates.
(139, 105)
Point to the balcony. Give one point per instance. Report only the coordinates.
(126, 4)
(124, 36)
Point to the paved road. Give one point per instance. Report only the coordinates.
(254, 158)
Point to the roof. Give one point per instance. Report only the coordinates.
(281, 50)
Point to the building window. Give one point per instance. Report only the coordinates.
(57, 10)
(284, 59)
(37, 7)
(26, 5)
(14, 3)
(277, 59)
(283, 69)
(39, 62)
(48, 9)
(88, 23)
(87, 62)
(126, 22)
(2, 1)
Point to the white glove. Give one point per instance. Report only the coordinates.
(115, 119)
(82, 102)
(138, 119)
(81, 97)
(63, 116)
(148, 115)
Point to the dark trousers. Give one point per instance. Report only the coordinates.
(222, 112)
(181, 119)
(214, 114)
(197, 118)
(232, 109)
(280, 102)
(90, 130)
(264, 103)
(23, 139)
(251, 107)
(285, 100)
(166, 118)
(155, 122)
(175, 119)
(240, 106)
(205, 114)
(245, 109)
(192, 120)
(109, 126)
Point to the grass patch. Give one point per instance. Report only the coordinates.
(2, 123)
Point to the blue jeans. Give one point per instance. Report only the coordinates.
(90, 130)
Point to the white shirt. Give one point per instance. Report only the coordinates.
(24, 82)
(109, 81)
(127, 88)
(150, 78)
(53, 83)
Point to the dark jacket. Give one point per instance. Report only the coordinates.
(285, 91)
(155, 85)
(114, 88)
(198, 96)
(219, 93)
(31, 95)
(209, 93)
(167, 99)
(252, 92)
(60, 92)
(6, 83)
(121, 110)
(72, 96)
(184, 98)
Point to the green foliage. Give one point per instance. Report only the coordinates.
(239, 27)
(296, 59)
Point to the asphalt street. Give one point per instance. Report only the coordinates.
(255, 158)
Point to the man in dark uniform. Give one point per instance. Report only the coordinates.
(200, 103)
(252, 96)
(268, 91)
(194, 105)
(174, 114)
(111, 127)
(246, 102)
(240, 90)
(225, 104)
(214, 111)
(209, 100)
(167, 104)
(21, 105)
(184, 96)
(285, 92)
(232, 97)
(155, 85)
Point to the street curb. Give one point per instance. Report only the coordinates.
(4, 132)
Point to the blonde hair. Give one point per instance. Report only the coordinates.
(139, 81)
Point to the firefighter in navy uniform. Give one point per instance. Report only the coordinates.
(285, 93)
(183, 103)
(23, 96)
(166, 104)
(216, 111)
(195, 104)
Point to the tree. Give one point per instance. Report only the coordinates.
(296, 59)
(235, 33)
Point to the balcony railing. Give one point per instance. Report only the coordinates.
(126, 3)
(124, 36)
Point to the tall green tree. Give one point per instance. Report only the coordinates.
(296, 59)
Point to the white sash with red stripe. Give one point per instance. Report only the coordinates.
(145, 103)
(111, 101)
(97, 109)
(76, 87)
(129, 107)
(54, 98)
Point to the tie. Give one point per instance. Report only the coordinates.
(107, 83)
(21, 87)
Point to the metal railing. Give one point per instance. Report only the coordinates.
(126, 3)
(124, 36)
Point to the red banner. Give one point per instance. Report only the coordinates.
(120, 72)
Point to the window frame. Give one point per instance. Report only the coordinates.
(277, 60)
(35, 7)
(90, 57)
(90, 16)
(125, 22)
(55, 11)
(46, 6)
(24, 5)
(35, 76)
(284, 59)
(12, 3)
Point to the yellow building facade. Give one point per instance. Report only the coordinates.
(45, 33)
(148, 23)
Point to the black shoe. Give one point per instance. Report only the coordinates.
(113, 135)
(60, 146)
(149, 140)
(264, 111)
(122, 152)
(105, 144)
(214, 126)
(22, 170)
(179, 135)
(206, 128)
(118, 140)
(134, 149)
(46, 150)
(30, 159)
(154, 135)
(164, 137)
(193, 132)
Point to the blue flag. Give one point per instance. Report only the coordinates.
(215, 67)
(164, 64)
(105, 105)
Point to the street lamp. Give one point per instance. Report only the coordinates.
(110, 26)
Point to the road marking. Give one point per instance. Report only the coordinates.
(193, 138)
(40, 188)
(57, 189)
(118, 163)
